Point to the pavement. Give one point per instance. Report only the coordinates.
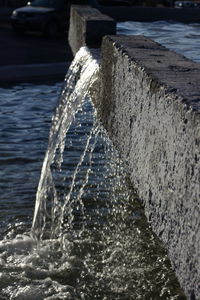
(31, 57)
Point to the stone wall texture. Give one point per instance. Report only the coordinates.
(87, 27)
(148, 99)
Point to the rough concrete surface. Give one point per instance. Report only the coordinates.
(87, 27)
(149, 101)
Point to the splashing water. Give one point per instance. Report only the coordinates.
(77, 82)
(90, 239)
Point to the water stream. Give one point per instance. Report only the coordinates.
(81, 74)
(89, 238)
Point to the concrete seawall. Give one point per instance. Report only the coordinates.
(87, 27)
(148, 99)
(149, 102)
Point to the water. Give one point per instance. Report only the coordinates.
(89, 238)
(81, 75)
(182, 38)
(25, 112)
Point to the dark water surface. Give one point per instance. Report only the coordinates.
(25, 113)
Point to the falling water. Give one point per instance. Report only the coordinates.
(89, 238)
(77, 82)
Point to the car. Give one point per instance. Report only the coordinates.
(46, 16)
(186, 4)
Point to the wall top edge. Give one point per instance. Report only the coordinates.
(175, 72)
(89, 13)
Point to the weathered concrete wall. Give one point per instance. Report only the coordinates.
(149, 101)
(87, 27)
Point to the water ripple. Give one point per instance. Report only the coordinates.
(182, 38)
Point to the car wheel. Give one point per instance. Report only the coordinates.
(51, 28)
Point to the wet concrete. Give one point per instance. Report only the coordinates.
(148, 99)
(87, 27)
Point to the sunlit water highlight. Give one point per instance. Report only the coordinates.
(81, 75)
(179, 37)
(95, 243)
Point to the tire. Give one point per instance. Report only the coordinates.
(51, 28)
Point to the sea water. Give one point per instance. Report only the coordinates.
(181, 38)
(103, 248)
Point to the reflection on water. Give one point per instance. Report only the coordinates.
(182, 38)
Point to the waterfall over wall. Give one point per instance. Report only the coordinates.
(90, 238)
(80, 77)
(148, 101)
(97, 209)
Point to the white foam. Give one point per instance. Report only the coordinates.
(18, 244)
